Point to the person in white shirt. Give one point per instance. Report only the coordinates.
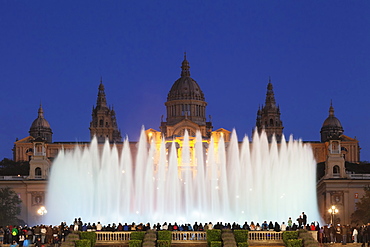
(99, 227)
(354, 234)
(283, 227)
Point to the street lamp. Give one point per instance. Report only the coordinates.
(333, 210)
(41, 211)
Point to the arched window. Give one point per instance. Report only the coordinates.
(38, 148)
(271, 122)
(336, 171)
(38, 172)
(101, 123)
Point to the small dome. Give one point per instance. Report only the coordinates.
(331, 128)
(332, 121)
(40, 127)
(185, 87)
(40, 121)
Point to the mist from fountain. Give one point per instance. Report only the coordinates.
(227, 182)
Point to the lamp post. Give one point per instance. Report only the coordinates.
(41, 211)
(333, 210)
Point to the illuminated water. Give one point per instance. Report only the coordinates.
(226, 182)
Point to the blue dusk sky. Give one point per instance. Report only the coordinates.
(55, 52)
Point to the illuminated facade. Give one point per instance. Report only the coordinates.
(186, 110)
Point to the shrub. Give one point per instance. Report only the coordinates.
(134, 243)
(83, 243)
(90, 236)
(214, 243)
(294, 243)
(213, 235)
(241, 236)
(243, 244)
(163, 243)
(137, 235)
(165, 235)
(289, 235)
(307, 239)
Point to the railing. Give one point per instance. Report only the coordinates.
(177, 237)
(112, 236)
(265, 235)
(12, 177)
(359, 176)
(188, 236)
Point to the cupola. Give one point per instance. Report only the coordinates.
(41, 127)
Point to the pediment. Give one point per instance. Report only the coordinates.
(27, 139)
(186, 123)
(347, 138)
(151, 130)
(180, 127)
(222, 130)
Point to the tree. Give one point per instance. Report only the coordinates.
(14, 168)
(362, 214)
(10, 207)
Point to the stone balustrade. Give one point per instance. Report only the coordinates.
(104, 237)
(188, 236)
(265, 235)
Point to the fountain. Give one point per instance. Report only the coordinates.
(228, 182)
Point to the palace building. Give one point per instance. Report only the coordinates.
(339, 183)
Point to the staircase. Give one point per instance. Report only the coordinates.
(70, 240)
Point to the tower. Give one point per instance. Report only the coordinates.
(331, 133)
(335, 164)
(104, 124)
(41, 128)
(39, 163)
(268, 117)
(331, 128)
(186, 107)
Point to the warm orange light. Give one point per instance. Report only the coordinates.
(333, 210)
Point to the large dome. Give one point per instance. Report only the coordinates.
(40, 127)
(40, 123)
(332, 121)
(185, 87)
(331, 128)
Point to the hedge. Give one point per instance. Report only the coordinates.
(294, 243)
(137, 235)
(134, 243)
(215, 243)
(90, 236)
(83, 243)
(243, 244)
(163, 243)
(241, 236)
(164, 235)
(307, 239)
(287, 235)
(213, 235)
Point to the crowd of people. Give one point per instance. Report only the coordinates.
(38, 235)
(344, 234)
(53, 235)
